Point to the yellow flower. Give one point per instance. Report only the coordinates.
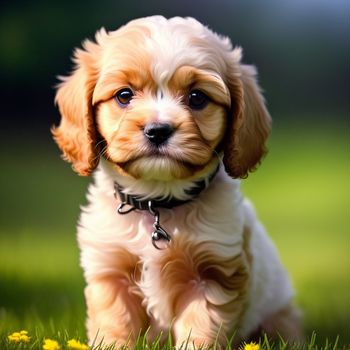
(251, 346)
(50, 344)
(19, 337)
(76, 345)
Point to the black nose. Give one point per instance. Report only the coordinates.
(158, 133)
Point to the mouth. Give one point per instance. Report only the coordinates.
(160, 158)
(165, 162)
(160, 164)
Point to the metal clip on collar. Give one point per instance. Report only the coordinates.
(159, 233)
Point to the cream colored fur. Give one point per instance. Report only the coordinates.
(221, 274)
(169, 287)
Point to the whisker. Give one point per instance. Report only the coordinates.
(217, 155)
(99, 143)
(103, 151)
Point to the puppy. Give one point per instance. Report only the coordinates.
(171, 119)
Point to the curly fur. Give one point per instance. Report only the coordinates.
(221, 274)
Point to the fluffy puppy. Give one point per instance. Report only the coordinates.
(171, 119)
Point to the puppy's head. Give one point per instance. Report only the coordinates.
(161, 100)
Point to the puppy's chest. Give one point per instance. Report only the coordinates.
(185, 226)
(177, 225)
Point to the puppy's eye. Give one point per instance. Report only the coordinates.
(123, 97)
(197, 99)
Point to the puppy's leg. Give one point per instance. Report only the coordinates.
(198, 322)
(210, 312)
(115, 313)
(204, 293)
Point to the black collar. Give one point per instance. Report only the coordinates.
(136, 202)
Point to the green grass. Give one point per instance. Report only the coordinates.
(37, 339)
(301, 193)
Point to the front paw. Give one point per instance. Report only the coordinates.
(196, 343)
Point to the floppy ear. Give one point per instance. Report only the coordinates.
(76, 134)
(249, 126)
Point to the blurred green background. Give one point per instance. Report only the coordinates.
(301, 191)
